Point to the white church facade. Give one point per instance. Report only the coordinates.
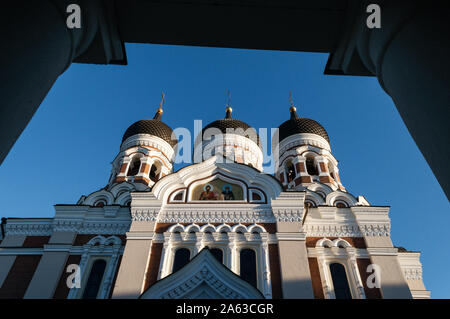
(218, 228)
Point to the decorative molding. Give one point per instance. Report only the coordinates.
(155, 142)
(332, 230)
(110, 228)
(227, 145)
(410, 265)
(211, 215)
(48, 227)
(375, 229)
(303, 139)
(29, 228)
(382, 251)
(335, 252)
(345, 230)
(413, 273)
(144, 214)
(67, 225)
(291, 236)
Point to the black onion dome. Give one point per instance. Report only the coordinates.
(153, 127)
(230, 123)
(297, 125)
(225, 124)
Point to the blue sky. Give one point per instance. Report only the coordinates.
(67, 148)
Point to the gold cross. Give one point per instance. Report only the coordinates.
(290, 98)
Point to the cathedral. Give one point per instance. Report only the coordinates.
(220, 228)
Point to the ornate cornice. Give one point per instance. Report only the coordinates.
(217, 216)
(67, 225)
(346, 230)
(413, 273)
(288, 214)
(149, 140)
(144, 214)
(47, 228)
(29, 229)
(105, 228)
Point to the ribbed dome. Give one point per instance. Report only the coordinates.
(296, 125)
(230, 123)
(153, 127)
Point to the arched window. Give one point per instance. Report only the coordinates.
(178, 196)
(248, 266)
(311, 166)
(95, 279)
(332, 175)
(330, 167)
(310, 204)
(135, 164)
(256, 196)
(155, 170)
(217, 253)
(290, 171)
(341, 204)
(182, 257)
(100, 203)
(153, 173)
(340, 282)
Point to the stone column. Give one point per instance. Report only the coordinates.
(51, 266)
(233, 252)
(143, 174)
(109, 272)
(300, 166)
(351, 252)
(324, 174)
(325, 275)
(131, 277)
(122, 175)
(38, 48)
(409, 55)
(294, 266)
(198, 244)
(165, 257)
(264, 251)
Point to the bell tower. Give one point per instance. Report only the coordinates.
(302, 153)
(147, 152)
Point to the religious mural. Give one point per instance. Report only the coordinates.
(218, 190)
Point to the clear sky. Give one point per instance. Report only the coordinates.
(66, 150)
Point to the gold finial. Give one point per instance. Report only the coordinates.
(292, 108)
(229, 101)
(229, 110)
(160, 110)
